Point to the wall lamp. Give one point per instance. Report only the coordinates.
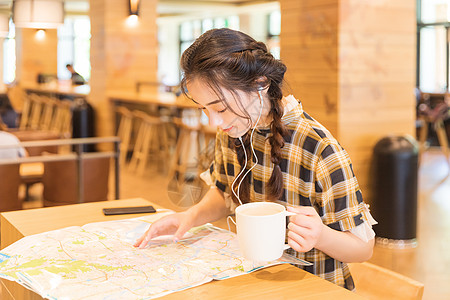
(134, 7)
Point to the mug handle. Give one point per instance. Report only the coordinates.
(287, 214)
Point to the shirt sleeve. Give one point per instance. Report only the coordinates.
(338, 198)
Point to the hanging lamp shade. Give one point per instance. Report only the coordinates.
(38, 13)
(4, 25)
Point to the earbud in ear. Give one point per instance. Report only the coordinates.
(260, 88)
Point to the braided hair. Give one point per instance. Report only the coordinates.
(229, 59)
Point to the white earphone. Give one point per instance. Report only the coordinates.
(260, 88)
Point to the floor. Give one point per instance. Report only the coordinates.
(428, 263)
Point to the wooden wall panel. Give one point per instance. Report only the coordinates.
(352, 64)
(35, 56)
(121, 55)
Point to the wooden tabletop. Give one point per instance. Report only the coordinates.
(62, 88)
(156, 98)
(278, 282)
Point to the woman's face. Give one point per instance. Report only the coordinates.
(235, 124)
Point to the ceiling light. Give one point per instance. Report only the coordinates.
(38, 13)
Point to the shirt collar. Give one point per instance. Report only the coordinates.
(292, 110)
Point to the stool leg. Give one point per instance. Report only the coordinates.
(176, 161)
(145, 148)
(422, 138)
(137, 152)
(184, 161)
(164, 148)
(442, 137)
(124, 133)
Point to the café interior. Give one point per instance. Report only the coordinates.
(375, 73)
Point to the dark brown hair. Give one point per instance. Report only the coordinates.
(229, 59)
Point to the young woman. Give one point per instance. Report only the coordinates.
(269, 149)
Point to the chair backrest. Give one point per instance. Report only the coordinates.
(375, 282)
(60, 181)
(47, 113)
(9, 187)
(36, 112)
(62, 119)
(25, 114)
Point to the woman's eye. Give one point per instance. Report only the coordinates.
(221, 111)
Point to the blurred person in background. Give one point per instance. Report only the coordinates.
(76, 78)
(7, 138)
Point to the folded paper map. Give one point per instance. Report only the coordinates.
(99, 261)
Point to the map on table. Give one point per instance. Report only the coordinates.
(99, 261)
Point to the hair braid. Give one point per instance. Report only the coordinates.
(276, 140)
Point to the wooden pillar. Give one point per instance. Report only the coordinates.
(121, 53)
(35, 54)
(352, 64)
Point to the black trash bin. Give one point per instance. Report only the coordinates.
(395, 191)
(83, 122)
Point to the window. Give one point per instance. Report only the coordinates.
(9, 55)
(433, 45)
(191, 30)
(273, 37)
(74, 46)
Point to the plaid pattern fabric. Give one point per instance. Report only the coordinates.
(317, 172)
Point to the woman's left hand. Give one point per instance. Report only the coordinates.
(305, 228)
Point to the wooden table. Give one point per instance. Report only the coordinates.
(162, 99)
(278, 282)
(59, 89)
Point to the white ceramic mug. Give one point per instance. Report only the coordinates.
(261, 230)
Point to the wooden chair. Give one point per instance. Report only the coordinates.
(435, 116)
(151, 137)
(9, 187)
(124, 132)
(375, 282)
(60, 181)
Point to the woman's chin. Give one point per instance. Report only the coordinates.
(235, 133)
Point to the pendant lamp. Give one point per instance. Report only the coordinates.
(41, 14)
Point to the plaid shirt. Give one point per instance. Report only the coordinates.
(317, 172)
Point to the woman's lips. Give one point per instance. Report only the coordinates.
(227, 129)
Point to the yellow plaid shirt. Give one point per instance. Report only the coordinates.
(317, 172)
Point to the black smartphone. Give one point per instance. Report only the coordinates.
(128, 210)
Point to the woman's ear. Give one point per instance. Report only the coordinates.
(261, 83)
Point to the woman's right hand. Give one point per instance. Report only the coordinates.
(177, 224)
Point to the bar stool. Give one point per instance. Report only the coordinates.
(124, 132)
(207, 137)
(193, 145)
(434, 116)
(150, 136)
(187, 138)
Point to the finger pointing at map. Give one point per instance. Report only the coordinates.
(177, 224)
